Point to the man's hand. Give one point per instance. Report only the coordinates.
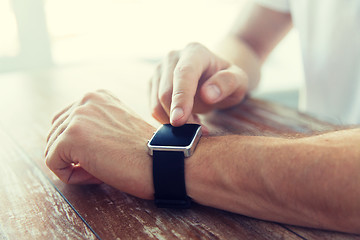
(194, 80)
(98, 139)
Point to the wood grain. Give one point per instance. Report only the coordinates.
(259, 118)
(30, 206)
(113, 214)
(35, 97)
(321, 234)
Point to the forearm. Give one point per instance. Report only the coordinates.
(310, 181)
(253, 36)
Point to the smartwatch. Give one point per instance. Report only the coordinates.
(169, 146)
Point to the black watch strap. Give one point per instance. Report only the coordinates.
(169, 180)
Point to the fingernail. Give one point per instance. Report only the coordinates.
(213, 92)
(176, 114)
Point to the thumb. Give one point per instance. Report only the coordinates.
(225, 88)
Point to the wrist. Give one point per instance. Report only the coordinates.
(170, 148)
(140, 180)
(146, 164)
(198, 171)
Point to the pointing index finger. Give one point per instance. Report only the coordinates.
(191, 65)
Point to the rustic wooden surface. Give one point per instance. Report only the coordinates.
(34, 204)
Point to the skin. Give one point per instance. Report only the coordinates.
(312, 181)
(196, 80)
(97, 139)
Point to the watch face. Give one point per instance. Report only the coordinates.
(168, 135)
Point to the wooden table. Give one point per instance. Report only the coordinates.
(34, 204)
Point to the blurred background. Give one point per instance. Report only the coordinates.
(38, 35)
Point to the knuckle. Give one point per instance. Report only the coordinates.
(183, 71)
(81, 110)
(90, 96)
(179, 96)
(76, 132)
(80, 119)
(106, 95)
(100, 92)
(182, 99)
(194, 45)
(195, 48)
(172, 55)
(229, 79)
(74, 129)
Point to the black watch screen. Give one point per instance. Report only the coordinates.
(168, 135)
